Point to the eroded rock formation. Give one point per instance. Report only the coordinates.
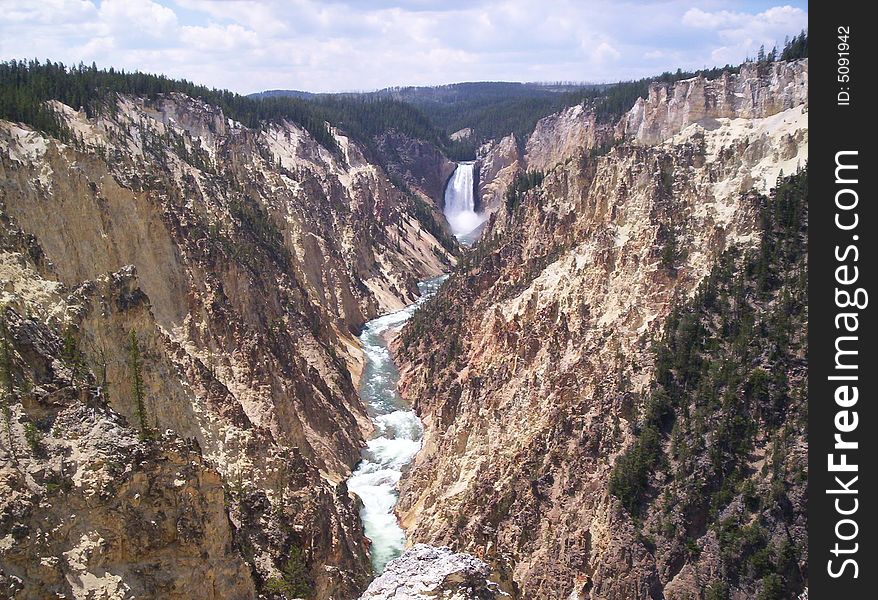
(498, 162)
(243, 262)
(547, 334)
(759, 90)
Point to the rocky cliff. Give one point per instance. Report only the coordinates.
(242, 262)
(758, 91)
(498, 162)
(418, 163)
(547, 364)
(90, 508)
(420, 167)
(562, 135)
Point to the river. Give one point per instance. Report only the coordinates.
(397, 438)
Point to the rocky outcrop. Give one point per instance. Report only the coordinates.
(90, 508)
(461, 134)
(498, 162)
(418, 163)
(419, 166)
(243, 262)
(424, 572)
(555, 139)
(547, 333)
(562, 135)
(278, 501)
(759, 90)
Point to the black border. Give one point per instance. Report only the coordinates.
(834, 128)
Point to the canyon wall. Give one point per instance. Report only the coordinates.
(242, 263)
(498, 161)
(534, 367)
(418, 163)
(759, 90)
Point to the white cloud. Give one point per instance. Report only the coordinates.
(742, 34)
(97, 46)
(744, 29)
(48, 11)
(138, 16)
(604, 53)
(695, 17)
(218, 37)
(331, 45)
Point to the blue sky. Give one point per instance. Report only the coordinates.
(337, 45)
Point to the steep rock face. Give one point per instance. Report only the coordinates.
(715, 480)
(547, 332)
(498, 162)
(759, 90)
(419, 166)
(90, 510)
(424, 572)
(461, 134)
(555, 138)
(243, 261)
(277, 499)
(562, 135)
(417, 162)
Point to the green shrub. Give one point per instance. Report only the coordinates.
(294, 581)
(718, 590)
(33, 437)
(522, 183)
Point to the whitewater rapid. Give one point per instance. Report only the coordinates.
(397, 438)
(459, 207)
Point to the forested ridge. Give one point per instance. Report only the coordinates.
(496, 109)
(26, 86)
(730, 384)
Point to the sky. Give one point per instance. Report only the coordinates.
(360, 45)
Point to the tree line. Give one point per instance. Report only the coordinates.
(27, 86)
(491, 109)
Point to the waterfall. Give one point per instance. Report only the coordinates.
(459, 202)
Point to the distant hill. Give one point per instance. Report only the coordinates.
(449, 93)
(278, 93)
(490, 108)
(479, 91)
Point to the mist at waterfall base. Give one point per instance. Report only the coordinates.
(397, 438)
(460, 204)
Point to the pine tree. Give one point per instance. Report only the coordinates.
(795, 48)
(73, 357)
(135, 362)
(669, 250)
(8, 382)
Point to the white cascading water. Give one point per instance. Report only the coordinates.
(397, 436)
(459, 202)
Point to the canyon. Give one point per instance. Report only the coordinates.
(546, 330)
(202, 323)
(242, 262)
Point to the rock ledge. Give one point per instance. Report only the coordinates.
(425, 572)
